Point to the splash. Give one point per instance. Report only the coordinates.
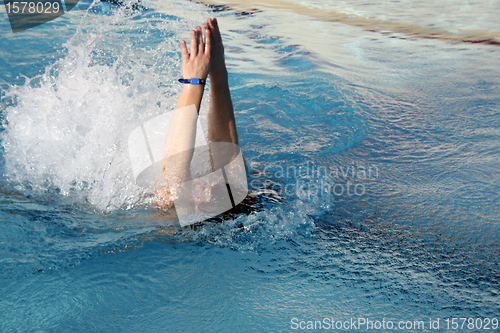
(65, 131)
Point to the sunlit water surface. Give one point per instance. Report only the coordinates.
(373, 158)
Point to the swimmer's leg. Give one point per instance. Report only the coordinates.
(221, 122)
(180, 140)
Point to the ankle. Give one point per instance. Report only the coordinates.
(218, 73)
(219, 78)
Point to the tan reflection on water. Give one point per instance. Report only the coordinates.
(367, 22)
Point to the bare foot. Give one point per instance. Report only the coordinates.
(218, 69)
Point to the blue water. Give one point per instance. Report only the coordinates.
(373, 159)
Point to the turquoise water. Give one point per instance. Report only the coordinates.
(373, 159)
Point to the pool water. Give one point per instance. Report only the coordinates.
(373, 159)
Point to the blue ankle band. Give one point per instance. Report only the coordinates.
(193, 81)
